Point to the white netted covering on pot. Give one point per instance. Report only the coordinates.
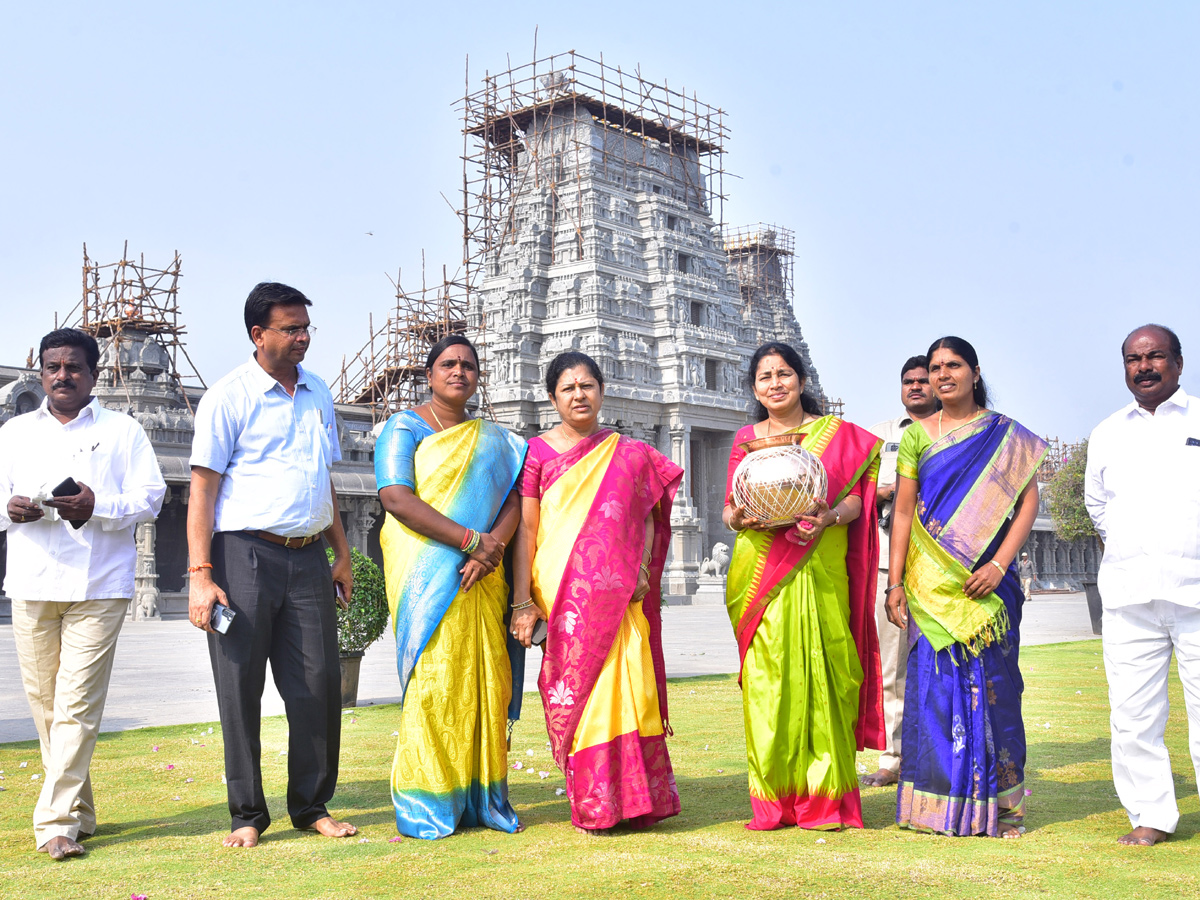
(777, 484)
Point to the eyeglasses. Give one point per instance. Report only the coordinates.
(294, 331)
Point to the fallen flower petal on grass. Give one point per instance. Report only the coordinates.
(34, 777)
(1028, 792)
(820, 840)
(529, 752)
(543, 775)
(170, 765)
(395, 840)
(23, 765)
(188, 780)
(558, 792)
(518, 765)
(154, 748)
(364, 840)
(138, 897)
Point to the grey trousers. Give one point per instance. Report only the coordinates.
(286, 613)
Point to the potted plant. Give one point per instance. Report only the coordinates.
(1064, 495)
(362, 623)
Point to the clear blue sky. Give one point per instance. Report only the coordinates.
(1024, 174)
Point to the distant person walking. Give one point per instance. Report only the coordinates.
(261, 499)
(71, 571)
(1143, 494)
(1026, 573)
(917, 398)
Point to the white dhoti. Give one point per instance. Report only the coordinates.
(1138, 643)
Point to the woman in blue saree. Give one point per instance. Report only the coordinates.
(960, 474)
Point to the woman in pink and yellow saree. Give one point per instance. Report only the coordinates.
(588, 559)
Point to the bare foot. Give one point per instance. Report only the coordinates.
(1142, 837)
(1010, 831)
(61, 847)
(520, 828)
(330, 827)
(882, 778)
(246, 836)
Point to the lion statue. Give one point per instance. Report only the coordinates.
(718, 563)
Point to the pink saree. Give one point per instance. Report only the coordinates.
(603, 680)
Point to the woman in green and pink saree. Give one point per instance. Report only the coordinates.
(801, 600)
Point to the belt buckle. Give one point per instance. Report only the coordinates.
(287, 543)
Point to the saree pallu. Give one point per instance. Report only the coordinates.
(603, 680)
(451, 761)
(805, 623)
(963, 769)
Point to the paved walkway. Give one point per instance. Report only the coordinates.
(162, 675)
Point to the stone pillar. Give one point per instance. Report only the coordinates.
(684, 563)
(363, 511)
(145, 590)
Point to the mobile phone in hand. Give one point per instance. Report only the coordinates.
(221, 618)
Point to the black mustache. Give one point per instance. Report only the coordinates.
(62, 384)
(1147, 376)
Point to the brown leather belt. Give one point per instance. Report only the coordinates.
(292, 543)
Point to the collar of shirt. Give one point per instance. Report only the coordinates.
(264, 380)
(85, 414)
(1177, 402)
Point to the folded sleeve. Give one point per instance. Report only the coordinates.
(141, 487)
(216, 431)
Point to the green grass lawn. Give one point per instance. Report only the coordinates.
(161, 827)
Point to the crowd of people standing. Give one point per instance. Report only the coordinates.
(885, 616)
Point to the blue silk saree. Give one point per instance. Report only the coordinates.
(963, 768)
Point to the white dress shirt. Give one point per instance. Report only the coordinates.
(1143, 494)
(109, 452)
(274, 451)
(890, 433)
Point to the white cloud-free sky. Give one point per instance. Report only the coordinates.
(1023, 174)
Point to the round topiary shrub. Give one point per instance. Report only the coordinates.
(363, 623)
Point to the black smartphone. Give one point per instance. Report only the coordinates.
(68, 488)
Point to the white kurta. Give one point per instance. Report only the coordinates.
(1143, 493)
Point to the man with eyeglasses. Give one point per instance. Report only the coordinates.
(262, 498)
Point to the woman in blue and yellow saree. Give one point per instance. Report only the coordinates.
(446, 481)
(960, 475)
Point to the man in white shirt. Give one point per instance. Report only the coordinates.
(71, 562)
(1143, 494)
(262, 498)
(919, 403)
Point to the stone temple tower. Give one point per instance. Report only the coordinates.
(592, 205)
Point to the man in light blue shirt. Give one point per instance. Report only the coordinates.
(262, 498)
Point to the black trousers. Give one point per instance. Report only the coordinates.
(286, 613)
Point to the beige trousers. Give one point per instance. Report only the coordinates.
(893, 656)
(66, 653)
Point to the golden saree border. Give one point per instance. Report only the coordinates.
(933, 582)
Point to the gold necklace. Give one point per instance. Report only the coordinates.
(442, 427)
(978, 413)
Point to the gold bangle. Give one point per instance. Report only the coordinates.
(528, 603)
(1003, 571)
